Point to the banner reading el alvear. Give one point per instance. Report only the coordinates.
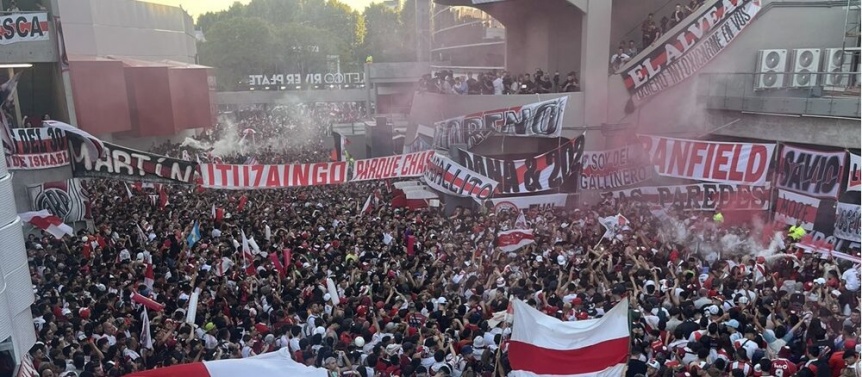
(400, 166)
(246, 177)
(129, 164)
(742, 163)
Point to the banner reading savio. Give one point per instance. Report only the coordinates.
(847, 222)
(129, 164)
(38, 148)
(68, 200)
(792, 208)
(854, 177)
(742, 163)
(615, 168)
(540, 119)
(447, 176)
(400, 166)
(810, 172)
(701, 196)
(244, 177)
(547, 171)
(691, 49)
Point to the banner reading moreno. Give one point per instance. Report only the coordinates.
(701, 196)
(401, 166)
(742, 163)
(691, 49)
(244, 177)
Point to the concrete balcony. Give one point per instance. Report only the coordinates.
(30, 44)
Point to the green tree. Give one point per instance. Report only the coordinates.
(238, 47)
(380, 40)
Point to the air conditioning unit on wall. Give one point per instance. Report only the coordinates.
(838, 63)
(806, 64)
(771, 68)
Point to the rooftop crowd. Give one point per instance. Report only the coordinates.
(499, 83)
(419, 291)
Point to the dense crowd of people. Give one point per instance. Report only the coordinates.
(499, 83)
(421, 292)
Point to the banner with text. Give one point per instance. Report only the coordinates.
(544, 172)
(129, 164)
(538, 202)
(854, 177)
(810, 172)
(447, 176)
(847, 222)
(539, 119)
(701, 196)
(682, 55)
(401, 166)
(616, 168)
(24, 27)
(38, 148)
(245, 177)
(791, 208)
(68, 200)
(742, 163)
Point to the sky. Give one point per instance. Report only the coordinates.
(198, 7)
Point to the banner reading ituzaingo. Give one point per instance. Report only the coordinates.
(616, 168)
(539, 119)
(245, 177)
(691, 49)
(854, 177)
(810, 172)
(742, 163)
(447, 176)
(400, 166)
(544, 172)
(129, 164)
(701, 196)
(847, 219)
(38, 148)
(791, 208)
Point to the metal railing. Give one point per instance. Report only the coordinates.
(823, 94)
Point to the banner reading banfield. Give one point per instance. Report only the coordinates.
(544, 172)
(129, 164)
(810, 172)
(24, 27)
(449, 177)
(682, 55)
(245, 177)
(854, 174)
(792, 208)
(701, 196)
(538, 119)
(401, 166)
(742, 163)
(38, 148)
(847, 219)
(614, 169)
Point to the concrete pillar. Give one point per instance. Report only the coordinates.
(595, 43)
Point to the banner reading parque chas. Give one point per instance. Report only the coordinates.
(810, 172)
(544, 172)
(129, 164)
(682, 55)
(38, 148)
(615, 168)
(247, 177)
(739, 163)
(24, 27)
(398, 166)
(538, 119)
(445, 175)
(701, 196)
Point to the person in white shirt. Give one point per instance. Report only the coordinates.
(851, 279)
(498, 85)
(619, 59)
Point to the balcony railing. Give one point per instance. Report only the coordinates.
(831, 95)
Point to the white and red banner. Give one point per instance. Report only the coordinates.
(701, 196)
(444, 175)
(512, 240)
(615, 168)
(791, 208)
(24, 27)
(244, 177)
(854, 174)
(271, 364)
(38, 148)
(46, 221)
(613, 225)
(847, 218)
(742, 163)
(542, 345)
(400, 166)
(538, 202)
(547, 171)
(810, 172)
(69, 200)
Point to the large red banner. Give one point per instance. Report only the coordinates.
(242, 177)
(400, 166)
(741, 163)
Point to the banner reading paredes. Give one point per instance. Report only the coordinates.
(810, 172)
(742, 163)
(129, 164)
(701, 196)
(38, 148)
(399, 166)
(244, 177)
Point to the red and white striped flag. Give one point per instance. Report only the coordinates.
(511, 240)
(545, 346)
(149, 276)
(247, 256)
(46, 221)
(272, 364)
(243, 200)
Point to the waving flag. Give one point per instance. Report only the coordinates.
(149, 275)
(94, 145)
(7, 89)
(272, 364)
(46, 221)
(613, 225)
(545, 346)
(514, 239)
(146, 334)
(194, 235)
